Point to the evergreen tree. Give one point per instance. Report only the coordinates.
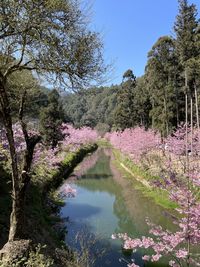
(51, 118)
(159, 76)
(142, 103)
(124, 112)
(186, 28)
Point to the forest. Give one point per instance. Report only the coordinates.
(59, 122)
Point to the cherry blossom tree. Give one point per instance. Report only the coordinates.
(134, 141)
(183, 188)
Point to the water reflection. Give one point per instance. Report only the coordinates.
(107, 202)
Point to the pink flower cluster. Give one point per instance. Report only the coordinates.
(176, 244)
(67, 191)
(135, 141)
(176, 143)
(183, 188)
(75, 137)
(18, 136)
(47, 157)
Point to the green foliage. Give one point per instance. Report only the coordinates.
(124, 112)
(24, 84)
(55, 40)
(103, 143)
(95, 105)
(51, 118)
(102, 128)
(142, 104)
(156, 99)
(160, 74)
(38, 259)
(186, 29)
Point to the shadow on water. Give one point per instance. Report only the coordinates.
(95, 176)
(107, 203)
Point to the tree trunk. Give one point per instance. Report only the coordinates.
(177, 105)
(16, 215)
(196, 105)
(191, 124)
(19, 181)
(17, 218)
(166, 122)
(153, 120)
(186, 123)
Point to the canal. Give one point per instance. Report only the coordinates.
(107, 201)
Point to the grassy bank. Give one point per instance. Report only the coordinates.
(43, 226)
(125, 164)
(102, 142)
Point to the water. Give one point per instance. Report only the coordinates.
(107, 202)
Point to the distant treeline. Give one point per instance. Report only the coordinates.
(161, 98)
(92, 107)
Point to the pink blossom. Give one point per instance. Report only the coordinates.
(155, 257)
(181, 253)
(182, 187)
(146, 257)
(74, 138)
(134, 142)
(67, 191)
(133, 265)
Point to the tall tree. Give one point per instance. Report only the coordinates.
(185, 28)
(51, 38)
(159, 76)
(142, 103)
(124, 112)
(51, 118)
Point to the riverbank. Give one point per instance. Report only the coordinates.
(43, 225)
(107, 202)
(125, 164)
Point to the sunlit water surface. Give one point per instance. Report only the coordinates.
(107, 202)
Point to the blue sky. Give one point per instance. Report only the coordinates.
(130, 28)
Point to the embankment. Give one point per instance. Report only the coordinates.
(43, 225)
(146, 180)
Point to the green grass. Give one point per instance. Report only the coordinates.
(160, 197)
(104, 143)
(133, 167)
